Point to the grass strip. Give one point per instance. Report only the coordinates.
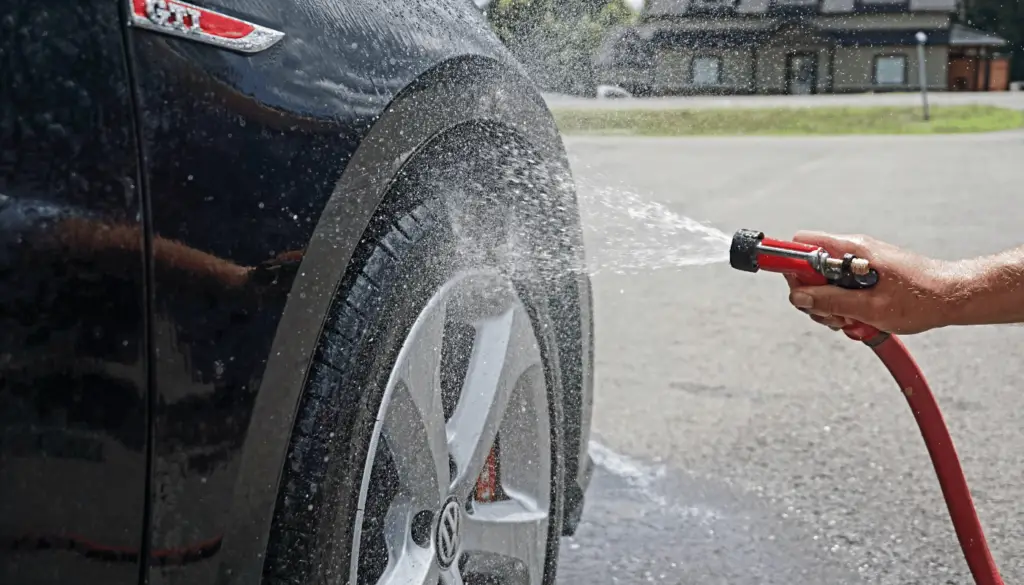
(824, 120)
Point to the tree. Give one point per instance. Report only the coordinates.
(517, 19)
(1005, 18)
(556, 40)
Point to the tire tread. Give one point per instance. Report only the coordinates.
(294, 555)
(293, 532)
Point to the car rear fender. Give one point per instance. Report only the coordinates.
(461, 91)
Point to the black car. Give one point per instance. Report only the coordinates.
(290, 292)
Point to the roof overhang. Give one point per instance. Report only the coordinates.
(964, 36)
(732, 37)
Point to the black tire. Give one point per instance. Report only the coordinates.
(409, 252)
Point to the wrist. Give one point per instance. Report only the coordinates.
(940, 294)
(972, 293)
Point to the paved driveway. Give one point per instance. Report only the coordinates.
(738, 443)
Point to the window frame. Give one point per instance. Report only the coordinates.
(718, 72)
(905, 69)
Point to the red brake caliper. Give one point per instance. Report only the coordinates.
(488, 485)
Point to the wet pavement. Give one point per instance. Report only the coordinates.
(647, 524)
(789, 456)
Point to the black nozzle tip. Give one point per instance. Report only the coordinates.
(743, 252)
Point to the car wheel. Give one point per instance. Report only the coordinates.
(428, 444)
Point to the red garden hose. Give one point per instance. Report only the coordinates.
(908, 376)
(812, 265)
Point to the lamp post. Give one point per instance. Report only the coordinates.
(922, 75)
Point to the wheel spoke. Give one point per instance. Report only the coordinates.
(411, 567)
(525, 437)
(413, 426)
(407, 561)
(505, 347)
(451, 576)
(512, 530)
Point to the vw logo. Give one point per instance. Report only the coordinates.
(447, 538)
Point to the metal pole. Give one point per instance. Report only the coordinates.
(922, 75)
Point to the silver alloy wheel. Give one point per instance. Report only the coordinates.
(438, 461)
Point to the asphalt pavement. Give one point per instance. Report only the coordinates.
(738, 442)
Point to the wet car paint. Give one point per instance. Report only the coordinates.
(73, 377)
(241, 155)
(285, 121)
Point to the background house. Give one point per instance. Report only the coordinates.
(799, 47)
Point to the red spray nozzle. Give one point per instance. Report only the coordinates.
(751, 251)
(812, 265)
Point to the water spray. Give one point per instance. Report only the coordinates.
(751, 251)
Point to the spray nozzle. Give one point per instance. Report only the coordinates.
(751, 251)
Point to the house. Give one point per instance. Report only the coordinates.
(799, 47)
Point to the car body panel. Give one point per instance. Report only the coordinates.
(236, 159)
(243, 155)
(73, 368)
(468, 87)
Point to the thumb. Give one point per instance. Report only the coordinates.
(830, 300)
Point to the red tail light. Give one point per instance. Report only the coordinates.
(188, 21)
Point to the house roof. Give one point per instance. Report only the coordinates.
(649, 35)
(739, 37)
(673, 8)
(961, 36)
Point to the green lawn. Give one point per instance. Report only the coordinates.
(786, 121)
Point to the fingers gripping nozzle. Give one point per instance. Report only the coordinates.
(751, 251)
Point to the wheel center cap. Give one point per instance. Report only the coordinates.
(447, 537)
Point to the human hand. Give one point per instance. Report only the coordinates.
(910, 296)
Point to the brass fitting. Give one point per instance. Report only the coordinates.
(858, 266)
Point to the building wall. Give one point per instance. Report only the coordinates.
(882, 21)
(828, 22)
(666, 7)
(771, 67)
(672, 70)
(753, 6)
(669, 70)
(715, 24)
(999, 79)
(854, 67)
(936, 5)
(963, 74)
(972, 69)
(838, 5)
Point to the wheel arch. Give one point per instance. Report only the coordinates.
(458, 94)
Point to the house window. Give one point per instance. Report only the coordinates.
(890, 70)
(706, 70)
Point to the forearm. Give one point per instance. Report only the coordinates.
(988, 290)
